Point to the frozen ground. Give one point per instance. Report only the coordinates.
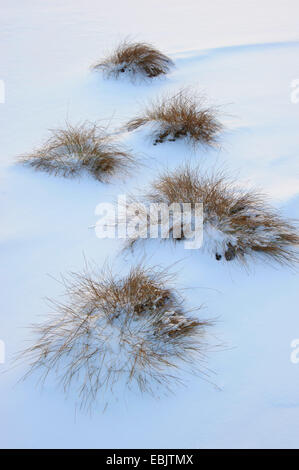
(244, 55)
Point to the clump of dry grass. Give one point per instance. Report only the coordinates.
(183, 115)
(136, 59)
(84, 148)
(133, 330)
(237, 223)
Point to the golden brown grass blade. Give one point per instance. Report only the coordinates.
(180, 116)
(81, 149)
(136, 59)
(133, 329)
(237, 224)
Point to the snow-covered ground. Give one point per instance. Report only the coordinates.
(244, 56)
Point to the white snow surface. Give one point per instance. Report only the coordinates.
(244, 56)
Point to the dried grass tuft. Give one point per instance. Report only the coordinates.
(237, 224)
(75, 150)
(133, 330)
(136, 59)
(183, 115)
